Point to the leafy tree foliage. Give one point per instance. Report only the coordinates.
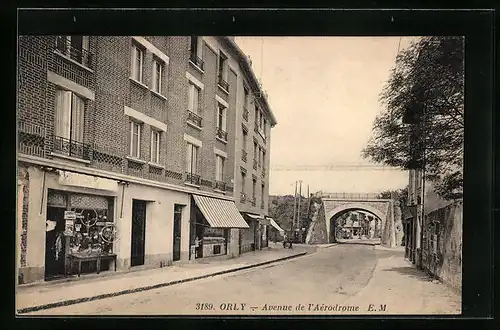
(423, 110)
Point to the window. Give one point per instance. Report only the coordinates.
(246, 98)
(70, 112)
(259, 156)
(222, 66)
(135, 139)
(261, 121)
(263, 158)
(243, 181)
(192, 159)
(137, 62)
(262, 194)
(221, 117)
(254, 151)
(254, 183)
(193, 98)
(157, 75)
(196, 55)
(257, 112)
(75, 47)
(155, 146)
(219, 168)
(244, 140)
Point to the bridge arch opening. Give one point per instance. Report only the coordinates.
(354, 221)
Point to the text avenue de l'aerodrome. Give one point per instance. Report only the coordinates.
(290, 308)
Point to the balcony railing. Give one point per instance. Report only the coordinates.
(263, 174)
(79, 55)
(71, 148)
(194, 118)
(221, 134)
(193, 178)
(255, 164)
(244, 156)
(224, 84)
(245, 113)
(219, 185)
(243, 197)
(254, 201)
(196, 60)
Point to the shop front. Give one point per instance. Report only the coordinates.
(80, 231)
(275, 232)
(68, 224)
(214, 225)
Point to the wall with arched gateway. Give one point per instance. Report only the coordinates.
(382, 208)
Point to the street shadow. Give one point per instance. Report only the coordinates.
(411, 272)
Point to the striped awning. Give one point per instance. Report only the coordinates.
(275, 225)
(262, 220)
(220, 213)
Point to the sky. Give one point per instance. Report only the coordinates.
(324, 93)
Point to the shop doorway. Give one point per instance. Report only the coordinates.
(138, 233)
(177, 232)
(55, 243)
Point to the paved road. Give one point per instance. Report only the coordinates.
(323, 283)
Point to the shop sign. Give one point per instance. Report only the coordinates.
(68, 227)
(87, 181)
(69, 215)
(78, 227)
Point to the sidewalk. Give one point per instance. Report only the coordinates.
(48, 295)
(405, 290)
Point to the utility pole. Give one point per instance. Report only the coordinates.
(308, 202)
(300, 200)
(294, 209)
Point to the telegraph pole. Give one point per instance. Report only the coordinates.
(294, 208)
(300, 200)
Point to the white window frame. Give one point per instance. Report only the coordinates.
(133, 70)
(193, 95)
(225, 65)
(139, 129)
(219, 168)
(189, 158)
(199, 46)
(155, 158)
(157, 83)
(222, 107)
(67, 113)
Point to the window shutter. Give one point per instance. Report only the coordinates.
(63, 113)
(189, 158)
(77, 118)
(217, 168)
(155, 84)
(224, 115)
(133, 62)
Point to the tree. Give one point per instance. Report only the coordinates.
(428, 78)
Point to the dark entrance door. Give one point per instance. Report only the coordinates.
(138, 233)
(177, 232)
(55, 243)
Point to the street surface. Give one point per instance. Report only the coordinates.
(326, 282)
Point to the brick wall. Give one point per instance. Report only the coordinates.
(106, 127)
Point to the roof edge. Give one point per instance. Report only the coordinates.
(247, 69)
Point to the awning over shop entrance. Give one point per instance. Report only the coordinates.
(220, 213)
(262, 220)
(275, 225)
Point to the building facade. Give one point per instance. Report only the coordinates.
(126, 146)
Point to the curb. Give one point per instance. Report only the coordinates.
(146, 288)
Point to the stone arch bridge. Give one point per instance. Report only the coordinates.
(333, 205)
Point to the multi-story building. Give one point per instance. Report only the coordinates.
(127, 151)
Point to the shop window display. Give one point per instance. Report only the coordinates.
(79, 227)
